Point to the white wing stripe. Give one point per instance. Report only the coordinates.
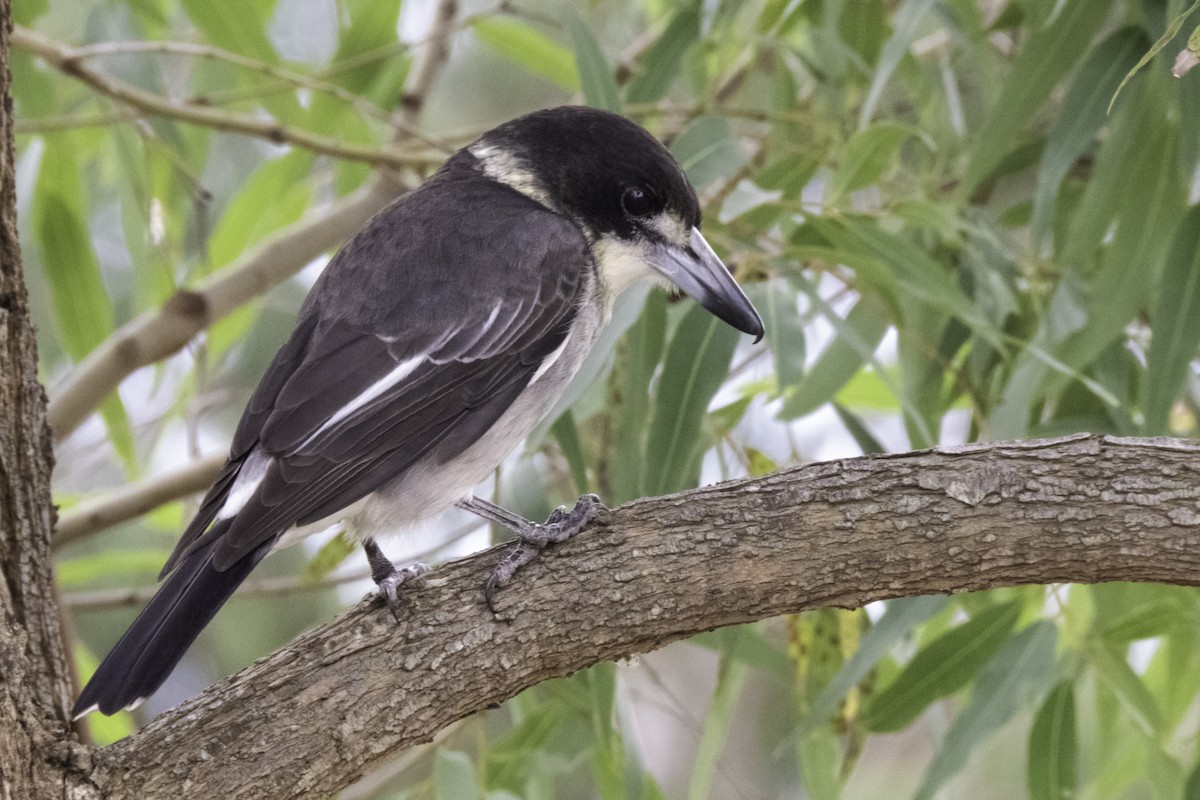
(402, 371)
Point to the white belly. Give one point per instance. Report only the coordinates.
(428, 488)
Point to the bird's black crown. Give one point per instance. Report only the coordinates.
(597, 166)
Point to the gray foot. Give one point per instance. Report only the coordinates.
(533, 538)
(388, 578)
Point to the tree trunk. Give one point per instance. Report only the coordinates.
(39, 756)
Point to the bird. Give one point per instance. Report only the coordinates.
(431, 345)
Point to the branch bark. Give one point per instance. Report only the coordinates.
(343, 698)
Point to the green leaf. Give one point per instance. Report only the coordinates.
(660, 63)
(1084, 111)
(83, 313)
(753, 648)
(1147, 620)
(777, 301)
(82, 571)
(943, 667)
(1135, 698)
(787, 174)
(731, 680)
(865, 157)
(1176, 333)
(82, 310)
(328, 558)
(906, 25)
(1135, 185)
(275, 195)
(454, 776)
(608, 751)
(1043, 61)
(595, 76)
(819, 759)
(567, 435)
(920, 277)
(1018, 674)
(863, 437)
(1052, 763)
(1192, 790)
(862, 26)
(901, 617)
(1172, 30)
(239, 27)
(373, 25)
(707, 151)
(696, 364)
(857, 337)
(522, 44)
(638, 357)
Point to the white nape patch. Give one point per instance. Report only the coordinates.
(623, 263)
(502, 166)
(549, 360)
(402, 371)
(246, 483)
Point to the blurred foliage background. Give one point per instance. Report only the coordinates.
(950, 234)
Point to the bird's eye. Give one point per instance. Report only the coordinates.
(637, 202)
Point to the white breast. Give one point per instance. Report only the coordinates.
(428, 488)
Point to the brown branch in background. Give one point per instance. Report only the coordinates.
(134, 500)
(158, 333)
(349, 695)
(103, 599)
(70, 62)
(287, 78)
(290, 584)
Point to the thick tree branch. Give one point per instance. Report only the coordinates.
(843, 533)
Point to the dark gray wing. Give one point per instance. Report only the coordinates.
(387, 364)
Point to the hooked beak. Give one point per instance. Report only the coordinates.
(699, 273)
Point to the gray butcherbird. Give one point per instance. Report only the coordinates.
(431, 345)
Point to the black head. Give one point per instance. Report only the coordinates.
(599, 168)
(627, 194)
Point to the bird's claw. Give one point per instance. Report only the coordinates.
(559, 526)
(390, 584)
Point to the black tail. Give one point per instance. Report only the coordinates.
(162, 633)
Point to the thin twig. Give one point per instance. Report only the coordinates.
(68, 122)
(287, 77)
(66, 60)
(290, 584)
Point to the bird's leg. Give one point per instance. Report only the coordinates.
(387, 577)
(532, 538)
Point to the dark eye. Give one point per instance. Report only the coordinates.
(636, 202)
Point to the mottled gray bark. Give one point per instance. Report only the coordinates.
(38, 756)
(312, 717)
